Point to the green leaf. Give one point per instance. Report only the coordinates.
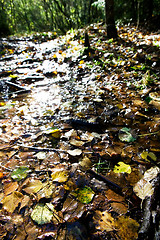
(84, 195)
(42, 213)
(122, 168)
(20, 173)
(125, 135)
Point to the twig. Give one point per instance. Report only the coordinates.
(115, 187)
(38, 149)
(148, 134)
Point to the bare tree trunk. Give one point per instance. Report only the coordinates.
(110, 22)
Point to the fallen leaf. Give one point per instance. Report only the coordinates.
(104, 221)
(42, 213)
(33, 186)
(10, 187)
(60, 176)
(76, 143)
(148, 155)
(127, 228)
(85, 163)
(72, 209)
(20, 173)
(10, 202)
(122, 168)
(75, 152)
(143, 189)
(84, 195)
(125, 135)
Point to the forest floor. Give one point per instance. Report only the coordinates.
(80, 135)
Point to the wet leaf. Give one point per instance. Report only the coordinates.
(56, 133)
(76, 143)
(85, 163)
(41, 155)
(148, 155)
(104, 221)
(75, 152)
(33, 186)
(155, 96)
(10, 187)
(119, 208)
(125, 135)
(72, 209)
(84, 195)
(20, 173)
(151, 173)
(46, 191)
(143, 189)
(11, 201)
(122, 168)
(60, 176)
(127, 228)
(42, 213)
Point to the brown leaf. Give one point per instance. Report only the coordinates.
(127, 228)
(104, 221)
(11, 201)
(10, 187)
(119, 208)
(72, 209)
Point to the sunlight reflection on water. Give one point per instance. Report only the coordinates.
(45, 99)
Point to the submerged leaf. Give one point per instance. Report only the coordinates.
(122, 168)
(20, 173)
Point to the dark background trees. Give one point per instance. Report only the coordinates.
(62, 15)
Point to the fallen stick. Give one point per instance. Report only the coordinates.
(115, 187)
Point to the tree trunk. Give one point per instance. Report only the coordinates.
(110, 22)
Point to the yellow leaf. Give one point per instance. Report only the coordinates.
(60, 176)
(81, 62)
(122, 168)
(33, 186)
(127, 228)
(104, 221)
(11, 201)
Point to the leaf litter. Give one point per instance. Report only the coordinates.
(79, 142)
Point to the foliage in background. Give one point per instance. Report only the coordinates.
(61, 15)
